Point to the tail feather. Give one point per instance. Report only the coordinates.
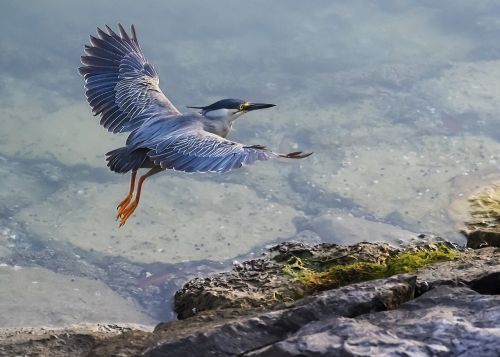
(123, 160)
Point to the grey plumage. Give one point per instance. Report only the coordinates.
(123, 88)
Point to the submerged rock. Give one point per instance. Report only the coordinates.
(340, 228)
(176, 217)
(38, 297)
(78, 141)
(405, 178)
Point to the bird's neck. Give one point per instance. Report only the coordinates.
(219, 126)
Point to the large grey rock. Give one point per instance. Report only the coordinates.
(444, 322)
(247, 334)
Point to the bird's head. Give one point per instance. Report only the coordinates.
(230, 109)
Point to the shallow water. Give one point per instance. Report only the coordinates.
(398, 100)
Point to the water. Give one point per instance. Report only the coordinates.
(399, 101)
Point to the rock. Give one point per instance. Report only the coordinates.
(459, 314)
(405, 178)
(482, 223)
(472, 267)
(76, 340)
(444, 322)
(80, 141)
(247, 334)
(341, 228)
(38, 297)
(214, 334)
(289, 272)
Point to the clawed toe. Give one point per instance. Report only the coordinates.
(122, 206)
(127, 212)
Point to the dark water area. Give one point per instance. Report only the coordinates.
(398, 100)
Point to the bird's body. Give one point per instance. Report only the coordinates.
(123, 88)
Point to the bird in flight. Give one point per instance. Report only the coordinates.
(122, 87)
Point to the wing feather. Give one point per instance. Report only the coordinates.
(196, 150)
(120, 83)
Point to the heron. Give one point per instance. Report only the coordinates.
(122, 87)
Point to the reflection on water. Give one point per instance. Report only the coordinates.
(397, 99)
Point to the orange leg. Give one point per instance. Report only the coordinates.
(127, 199)
(127, 211)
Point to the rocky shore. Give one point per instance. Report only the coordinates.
(429, 298)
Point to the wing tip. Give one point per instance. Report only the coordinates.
(134, 35)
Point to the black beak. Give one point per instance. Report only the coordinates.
(255, 106)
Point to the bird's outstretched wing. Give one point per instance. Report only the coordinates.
(201, 151)
(120, 83)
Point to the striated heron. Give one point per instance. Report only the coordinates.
(123, 88)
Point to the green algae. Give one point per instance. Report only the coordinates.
(324, 274)
(482, 227)
(484, 208)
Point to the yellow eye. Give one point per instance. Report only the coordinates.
(244, 106)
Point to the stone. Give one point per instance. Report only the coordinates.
(38, 297)
(340, 228)
(481, 224)
(179, 218)
(473, 266)
(459, 314)
(446, 321)
(75, 340)
(466, 87)
(80, 141)
(289, 272)
(396, 179)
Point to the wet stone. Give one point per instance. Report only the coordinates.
(19, 188)
(176, 213)
(79, 141)
(390, 180)
(39, 297)
(341, 228)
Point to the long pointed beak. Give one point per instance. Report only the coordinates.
(255, 106)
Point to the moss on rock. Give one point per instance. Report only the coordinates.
(293, 270)
(324, 274)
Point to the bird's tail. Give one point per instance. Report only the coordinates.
(123, 160)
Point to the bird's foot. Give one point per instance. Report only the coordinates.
(123, 204)
(127, 212)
